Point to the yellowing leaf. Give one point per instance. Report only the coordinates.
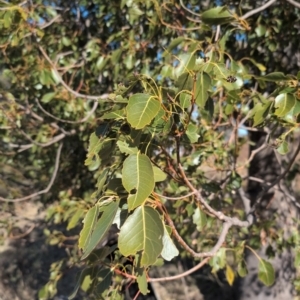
(229, 275)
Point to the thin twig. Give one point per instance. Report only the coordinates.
(96, 103)
(175, 198)
(187, 9)
(47, 189)
(297, 4)
(103, 97)
(219, 243)
(253, 153)
(277, 180)
(257, 10)
(186, 273)
(50, 22)
(218, 214)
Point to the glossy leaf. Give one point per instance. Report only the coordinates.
(284, 103)
(283, 148)
(101, 227)
(202, 85)
(159, 175)
(242, 269)
(79, 281)
(217, 16)
(137, 179)
(142, 231)
(199, 218)
(169, 250)
(48, 97)
(125, 148)
(266, 272)
(93, 158)
(260, 112)
(192, 133)
(75, 218)
(142, 282)
(141, 110)
(104, 277)
(116, 115)
(184, 82)
(275, 76)
(88, 227)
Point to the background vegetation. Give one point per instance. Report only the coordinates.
(129, 122)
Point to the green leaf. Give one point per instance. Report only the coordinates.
(174, 43)
(88, 226)
(202, 86)
(199, 219)
(192, 133)
(169, 250)
(101, 181)
(218, 261)
(141, 110)
(283, 148)
(101, 227)
(48, 97)
(274, 77)
(95, 145)
(260, 112)
(187, 62)
(266, 272)
(159, 175)
(217, 16)
(242, 269)
(185, 100)
(116, 115)
(142, 282)
(297, 258)
(137, 179)
(104, 277)
(184, 82)
(79, 281)
(125, 148)
(229, 275)
(142, 231)
(75, 218)
(260, 30)
(116, 55)
(284, 103)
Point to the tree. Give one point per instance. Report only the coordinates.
(157, 95)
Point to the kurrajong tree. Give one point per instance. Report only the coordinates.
(157, 94)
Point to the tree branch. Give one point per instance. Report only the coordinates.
(47, 189)
(186, 273)
(257, 10)
(96, 103)
(103, 97)
(297, 4)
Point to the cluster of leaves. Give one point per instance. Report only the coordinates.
(156, 131)
(174, 103)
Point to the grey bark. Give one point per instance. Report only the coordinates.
(276, 202)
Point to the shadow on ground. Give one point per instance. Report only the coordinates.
(25, 265)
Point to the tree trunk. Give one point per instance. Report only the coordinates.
(277, 202)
